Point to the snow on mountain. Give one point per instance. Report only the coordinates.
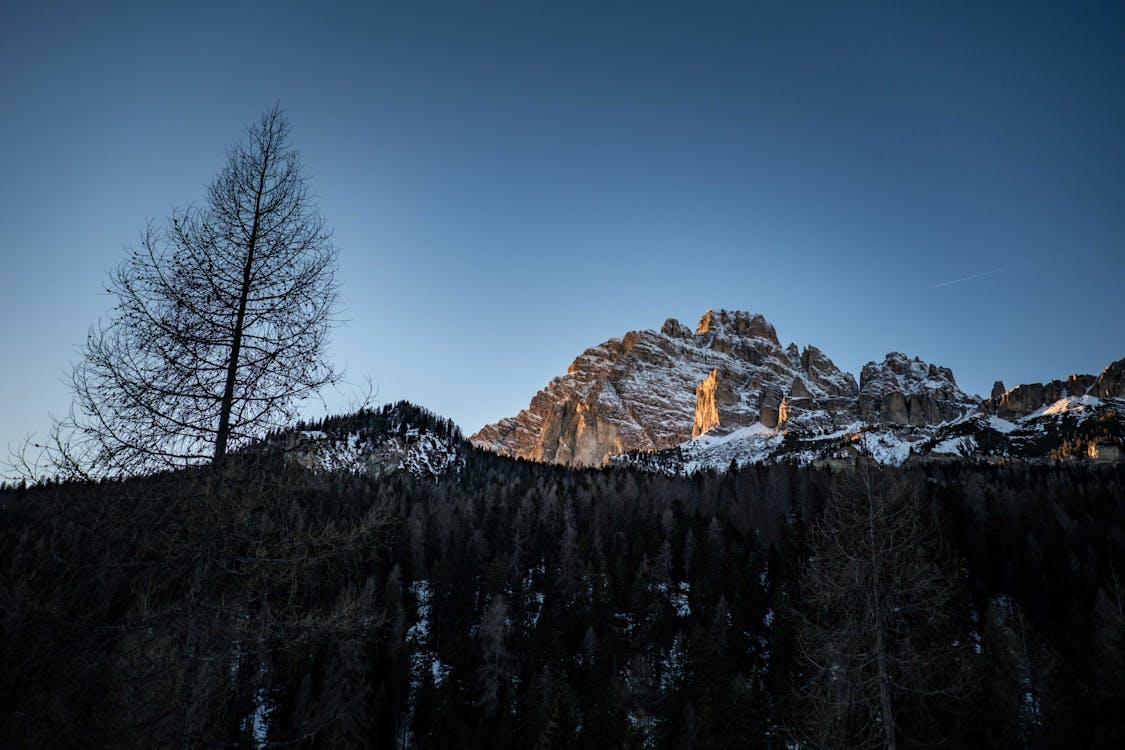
(650, 390)
(682, 400)
(398, 437)
(1079, 428)
(901, 390)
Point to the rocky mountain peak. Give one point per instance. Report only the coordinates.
(998, 389)
(736, 323)
(1026, 398)
(1111, 383)
(823, 372)
(730, 380)
(675, 329)
(650, 390)
(905, 391)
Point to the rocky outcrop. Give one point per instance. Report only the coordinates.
(675, 329)
(710, 395)
(836, 390)
(1018, 402)
(1030, 397)
(904, 391)
(1111, 383)
(773, 410)
(1075, 385)
(738, 324)
(706, 410)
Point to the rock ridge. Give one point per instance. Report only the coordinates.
(1028, 398)
(652, 390)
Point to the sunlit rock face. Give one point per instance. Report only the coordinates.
(652, 390)
(706, 408)
(727, 391)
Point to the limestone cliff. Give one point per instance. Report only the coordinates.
(1028, 398)
(905, 391)
(651, 390)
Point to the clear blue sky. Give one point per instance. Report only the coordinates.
(512, 182)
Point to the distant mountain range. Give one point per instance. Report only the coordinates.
(678, 400)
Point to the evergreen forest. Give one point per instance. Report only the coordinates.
(509, 604)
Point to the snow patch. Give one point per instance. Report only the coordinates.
(415, 451)
(885, 447)
(713, 440)
(1067, 404)
(1002, 425)
(677, 596)
(955, 446)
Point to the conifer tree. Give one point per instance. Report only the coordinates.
(220, 322)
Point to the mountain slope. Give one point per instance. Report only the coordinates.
(679, 399)
(652, 390)
(395, 437)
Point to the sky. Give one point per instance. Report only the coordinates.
(512, 182)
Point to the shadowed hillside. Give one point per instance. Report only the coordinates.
(513, 604)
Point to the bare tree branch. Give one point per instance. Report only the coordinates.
(219, 328)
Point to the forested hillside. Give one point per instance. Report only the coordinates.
(514, 604)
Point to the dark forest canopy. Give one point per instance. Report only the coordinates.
(512, 604)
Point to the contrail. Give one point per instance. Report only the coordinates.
(983, 273)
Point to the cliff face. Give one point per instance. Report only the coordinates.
(707, 394)
(904, 391)
(651, 390)
(1028, 398)
(1111, 383)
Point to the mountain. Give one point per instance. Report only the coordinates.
(679, 399)
(375, 442)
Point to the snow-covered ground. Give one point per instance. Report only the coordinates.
(413, 450)
(971, 435)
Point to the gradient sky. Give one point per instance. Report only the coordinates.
(512, 182)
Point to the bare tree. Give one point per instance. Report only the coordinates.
(876, 634)
(220, 323)
(492, 632)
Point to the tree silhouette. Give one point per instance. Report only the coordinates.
(220, 322)
(877, 638)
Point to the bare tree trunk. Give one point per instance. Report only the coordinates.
(874, 628)
(220, 327)
(882, 675)
(240, 318)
